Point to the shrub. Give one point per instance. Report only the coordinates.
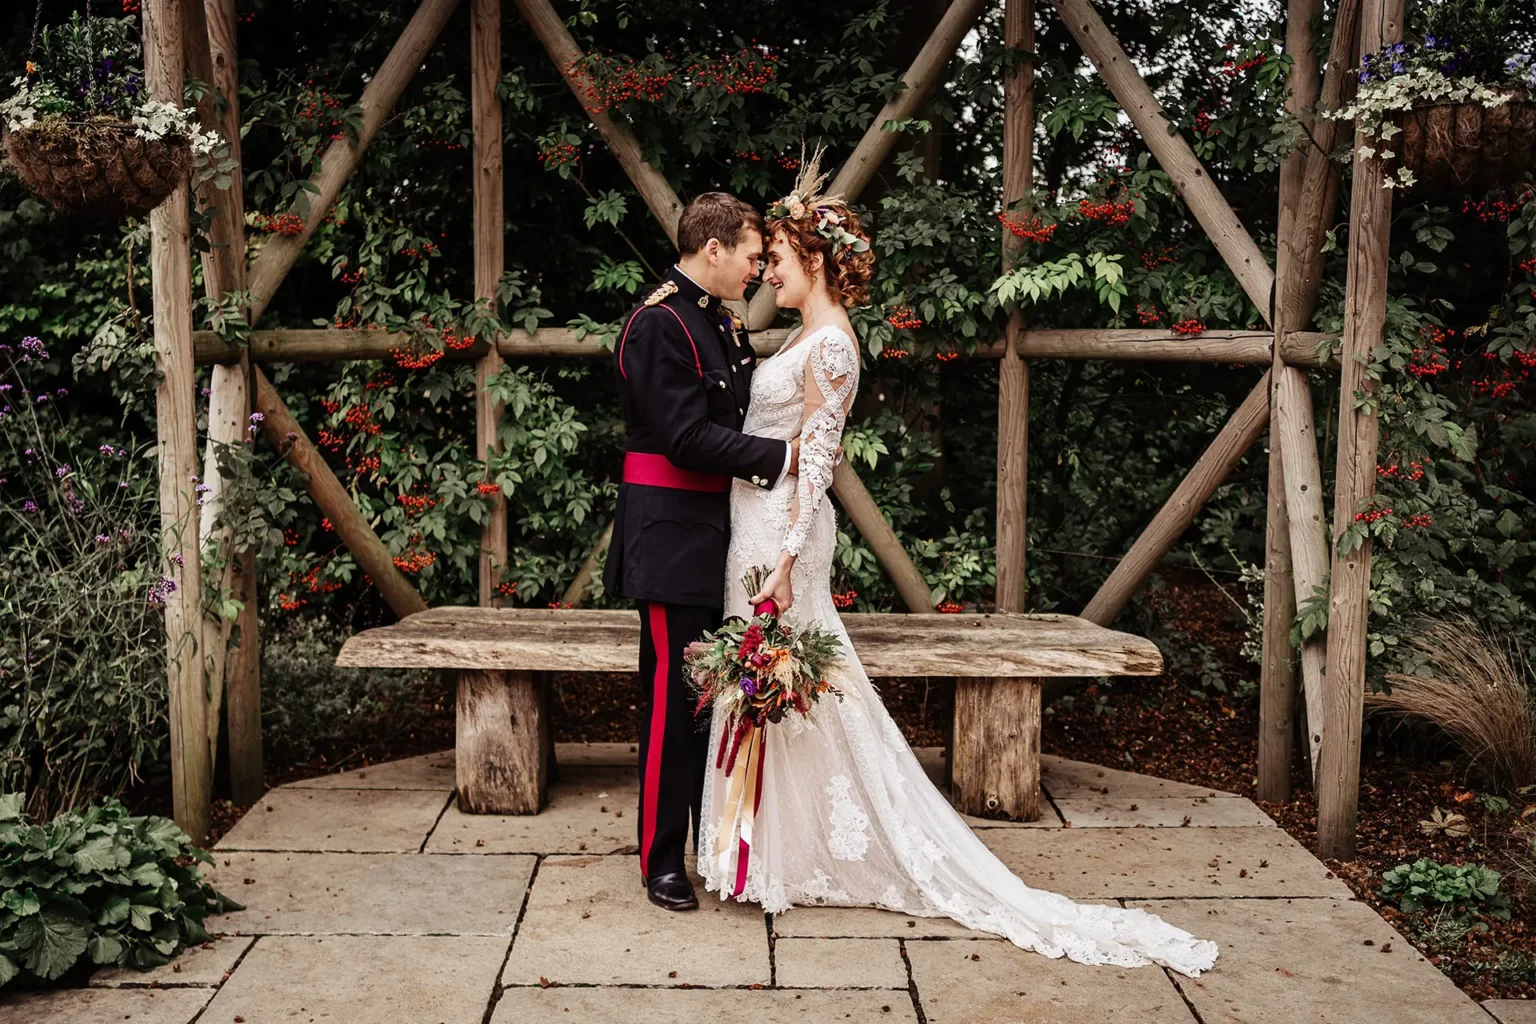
(1456, 890)
(99, 884)
(82, 648)
(1477, 693)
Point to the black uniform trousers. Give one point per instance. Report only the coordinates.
(673, 743)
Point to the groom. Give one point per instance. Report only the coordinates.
(684, 371)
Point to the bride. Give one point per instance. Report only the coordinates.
(846, 815)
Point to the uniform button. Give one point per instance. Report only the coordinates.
(733, 369)
(740, 411)
(722, 384)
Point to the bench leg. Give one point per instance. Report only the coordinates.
(502, 745)
(995, 754)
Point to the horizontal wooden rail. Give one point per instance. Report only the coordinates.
(336, 346)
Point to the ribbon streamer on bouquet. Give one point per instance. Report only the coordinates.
(742, 796)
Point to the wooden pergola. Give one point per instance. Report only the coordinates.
(1299, 552)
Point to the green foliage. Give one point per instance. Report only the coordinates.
(1456, 891)
(87, 67)
(100, 886)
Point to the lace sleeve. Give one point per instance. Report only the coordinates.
(831, 378)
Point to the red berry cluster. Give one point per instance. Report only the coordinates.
(291, 537)
(365, 464)
(1148, 315)
(506, 589)
(290, 604)
(1496, 207)
(1108, 211)
(894, 353)
(946, 357)
(427, 249)
(750, 157)
(1189, 327)
(1427, 362)
(132, 6)
(951, 607)
(1031, 230)
(1152, 260)
(904, 318)
(487, 488)
(312, 582)
(1502, 386)
(320, 110)
(289, 224)
(746, 71)
(844, 599)
(414, 561)
(408, 360)
(1529, 266)
(558, 154)
(1203, 125)
(1418, 519)
(416, 504)
(331, 440)
(789, 163)
(1414, 474)
(1231, 69)
(605, 82)
(1372, 514)
(354, 277)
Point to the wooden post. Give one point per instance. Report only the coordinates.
(1213, 466)
(918, 84)
(995, 758)
(328, 493)
(1202, 196)
(490, 258)
(501, 768)
(1277, 669)
(576, 593)
(232, 650)
(1013, 372)
(176, 427)
(341, 158)
(1365, 309)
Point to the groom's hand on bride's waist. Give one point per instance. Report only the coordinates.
(794, 458)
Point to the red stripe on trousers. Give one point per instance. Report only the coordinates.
(658, 614)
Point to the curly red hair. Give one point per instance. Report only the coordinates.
(846, 272)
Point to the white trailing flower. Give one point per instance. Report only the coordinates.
(156, 119)
(18, 110)
(1379, 102)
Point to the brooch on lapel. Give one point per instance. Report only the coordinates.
(737, 326)
(667, 288)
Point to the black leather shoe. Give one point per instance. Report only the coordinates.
(672, 891)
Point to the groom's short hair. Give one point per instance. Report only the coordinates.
(715, 215)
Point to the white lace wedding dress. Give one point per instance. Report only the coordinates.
(847, 815)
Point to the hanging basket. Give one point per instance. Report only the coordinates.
(98, 167)
(1467, 146)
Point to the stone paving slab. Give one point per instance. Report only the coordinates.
(867, 922)
(590, 810)
(429, 771)
(1305, 961)
(370, 893)
(588, 922)
(1065, 779)
(599, 755)
(702, 1006)
(377, 979)
(338, 820)
(1162, 812)
(1512, 1011)
(104, 1006)
(977, 982)
(202, 966)
(1164, 862)
(839, 963)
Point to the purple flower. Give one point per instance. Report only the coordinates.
(41, 399)
(62, 393)
(206, 392)
(162, 589)
(105, 449)
(102, 538)
(125, 534)
(256, 420)
(749, 687)
(202, 488)
(29, 506)
(63, 471)
(77, 505)
(4, 388)
(177, 559)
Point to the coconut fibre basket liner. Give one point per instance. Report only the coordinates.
(97, 167)
(1468, 146)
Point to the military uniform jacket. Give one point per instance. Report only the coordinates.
(684, 366)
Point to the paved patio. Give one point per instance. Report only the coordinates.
(372, 900)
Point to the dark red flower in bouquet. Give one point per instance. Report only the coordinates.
(751, 640)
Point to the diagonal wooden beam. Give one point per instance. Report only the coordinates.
(1189, 176)
(328, 493)
(550, 29)
(341, 159)
(917, 85)
(1179, 511)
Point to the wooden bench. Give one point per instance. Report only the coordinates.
(505, 751)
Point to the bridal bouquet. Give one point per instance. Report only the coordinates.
(755, 672)
(758, 671)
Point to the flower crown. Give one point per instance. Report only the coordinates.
(806, 201)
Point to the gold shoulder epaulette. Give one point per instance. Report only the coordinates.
(667, 288)
(737, 323)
